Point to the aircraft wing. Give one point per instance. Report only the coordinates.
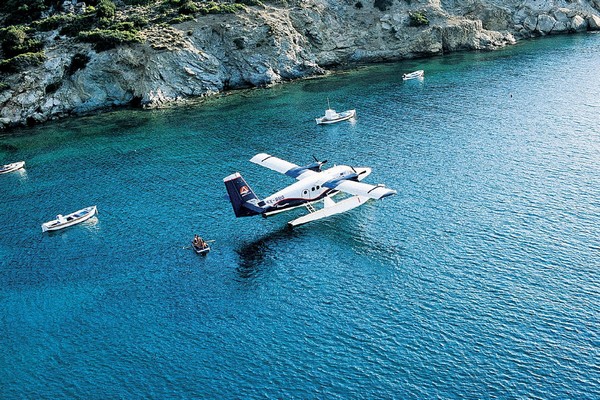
(360, 188)
(282, 166)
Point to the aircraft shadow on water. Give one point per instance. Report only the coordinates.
(253, 255)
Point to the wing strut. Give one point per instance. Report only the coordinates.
(330, 208)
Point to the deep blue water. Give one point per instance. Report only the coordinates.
(480, 279)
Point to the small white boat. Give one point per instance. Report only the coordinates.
(71, 219)
(413, 75)
(331, 116)
(11, 167)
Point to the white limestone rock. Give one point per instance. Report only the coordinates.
(578, 24)
(593, 22)
(545, 24)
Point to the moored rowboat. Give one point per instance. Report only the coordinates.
(12, 167)
(68, 220)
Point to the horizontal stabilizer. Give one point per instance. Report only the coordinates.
(331, 208)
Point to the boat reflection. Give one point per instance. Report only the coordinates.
(91, 225)
(22, 174)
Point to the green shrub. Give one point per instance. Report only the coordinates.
(4, 86)
(105, 9)
(12, 36)
(79, 24)
(53, 22)
(231, 8)
(212, 7)
(22, 61)
(249, 2)
(104, 23)
(21, 11)
(15, 40)
(180, 19)
(189, 7)
(138, 21)
(126, 26)
(418, 18)
(104, 39)
(139, 2)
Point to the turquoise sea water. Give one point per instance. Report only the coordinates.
(480, 279)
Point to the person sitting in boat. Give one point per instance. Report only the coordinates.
(199, 242)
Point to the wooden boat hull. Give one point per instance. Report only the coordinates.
(201, 250)
(70, 219)
(5, 169)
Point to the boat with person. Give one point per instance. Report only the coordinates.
(200, 246)
(12, 167)
(331, 116)
(413, 75)
(70, 219)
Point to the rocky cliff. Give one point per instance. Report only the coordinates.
(265, 44)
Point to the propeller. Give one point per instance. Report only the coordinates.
(317, 160)
(316, 166)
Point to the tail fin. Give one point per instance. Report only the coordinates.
(243, 200)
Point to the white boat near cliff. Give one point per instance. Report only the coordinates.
(331, 116)
(413, 75)
(70, 219)
(5, 169)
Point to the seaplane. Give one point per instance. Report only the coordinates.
(314, 184)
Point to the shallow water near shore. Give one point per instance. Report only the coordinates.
(479, 279)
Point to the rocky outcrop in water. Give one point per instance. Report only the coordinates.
(263, 45)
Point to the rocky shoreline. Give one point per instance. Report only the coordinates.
(267, 44)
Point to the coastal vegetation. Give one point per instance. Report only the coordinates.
(105, 39)
(99, 22)
(19, 49)
(21, 61)
(59, 57)
(418, 18)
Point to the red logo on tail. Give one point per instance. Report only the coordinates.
(244, 190)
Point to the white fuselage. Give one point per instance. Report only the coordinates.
(311, 188)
